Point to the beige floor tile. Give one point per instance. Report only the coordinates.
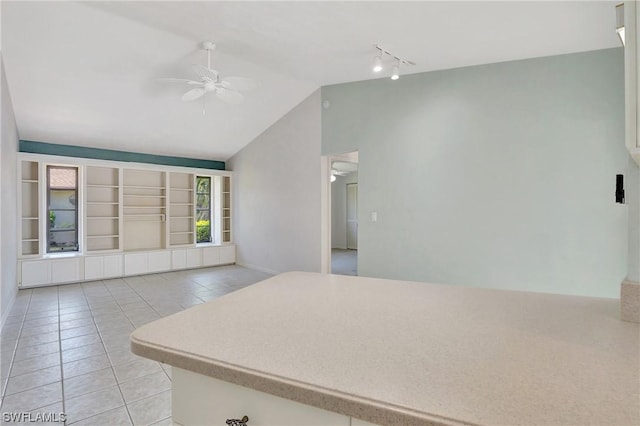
(90, 382)
(91, 404)
(116, 417)
(34, 364)
(152, 409)
(165, 422)
(32, 380)
(30, 331)
(88, 351)
(138, 368)
(78, 331)
(76, 342)
(75, 315)
(33, 398)
(82, 322)
(145, 386)
(73, 309)
(123, 356)
(36, 350)
(42, 314)
(84, 366)
(37, 339)
(41, 321)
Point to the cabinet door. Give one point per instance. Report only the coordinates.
(194, 258)
(136, 263)
(65, 270)
(36, 272)
(159, 261)
(227, 254)
(203, 400)
(93, 267)
(210, 256)
(178, 259)
(112, 266)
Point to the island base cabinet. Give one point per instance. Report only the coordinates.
(203, 400)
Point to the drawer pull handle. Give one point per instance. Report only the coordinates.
(235, 422)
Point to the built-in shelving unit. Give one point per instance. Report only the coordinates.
(226, 209)
(102, 208)
(181, 210)
(30, 234)
(144, 209)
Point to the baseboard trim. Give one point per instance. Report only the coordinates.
(630, 301)
(257, 268)
(5, 314)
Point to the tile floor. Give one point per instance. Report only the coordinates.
(65, 349)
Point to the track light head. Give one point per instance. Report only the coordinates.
(395, 71)
(377, 64)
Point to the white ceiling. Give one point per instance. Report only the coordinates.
(85, 73)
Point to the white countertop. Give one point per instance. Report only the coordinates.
(396, 352)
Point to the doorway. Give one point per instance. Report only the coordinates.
(343, 214)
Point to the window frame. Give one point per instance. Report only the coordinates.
(209, 209)
(48, 209)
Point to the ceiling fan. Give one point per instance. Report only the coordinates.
(208, 80)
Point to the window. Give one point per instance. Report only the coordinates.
(62, 197)
(203, 209)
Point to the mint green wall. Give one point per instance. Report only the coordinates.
(499, 175)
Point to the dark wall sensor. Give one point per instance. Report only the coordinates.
(620, 189)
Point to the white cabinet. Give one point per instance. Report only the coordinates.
(179, 259)
(36, 272)
(227, 254)
(210, 256)
(65, 270)
(98, 267)
(112, 266)
(194, 258)
(159, 261)
(93, 267)
(203, 400)
(136, 263)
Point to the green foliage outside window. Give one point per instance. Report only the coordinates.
(203, 231)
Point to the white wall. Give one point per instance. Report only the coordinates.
(339, 209)
(499, 175)
(276, 201)
(8, 201)
(632, 195)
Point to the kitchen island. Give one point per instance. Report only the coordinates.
(305, 348)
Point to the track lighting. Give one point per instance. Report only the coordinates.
(377, 63)
(395, 70)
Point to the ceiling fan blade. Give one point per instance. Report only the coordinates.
(178, 80)
(193, 94)
(205, 73)
(230, 96)
(241, 84)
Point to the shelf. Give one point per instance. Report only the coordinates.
(102, 236)
(30, 240)
(181, 217)
(144, 196)
(62, 230)
(183, 232)
(161, 188)
(29, 218)
(29, 181)
(182, 189)
(101, 186)
(181, 204)
(226, 192)
(102, 202)
(144, 207)
(102, 217)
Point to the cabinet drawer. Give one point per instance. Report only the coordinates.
(210, 256)
(227, 255)
(112, 266)
(159, 261)
(36, 272)
(136, 263)
(203, 400)
(65, 270)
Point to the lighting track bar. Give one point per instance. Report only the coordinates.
(397, 58)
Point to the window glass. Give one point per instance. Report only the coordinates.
(62, 197)
(203, 209)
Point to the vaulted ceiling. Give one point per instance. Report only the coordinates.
(87, 73)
